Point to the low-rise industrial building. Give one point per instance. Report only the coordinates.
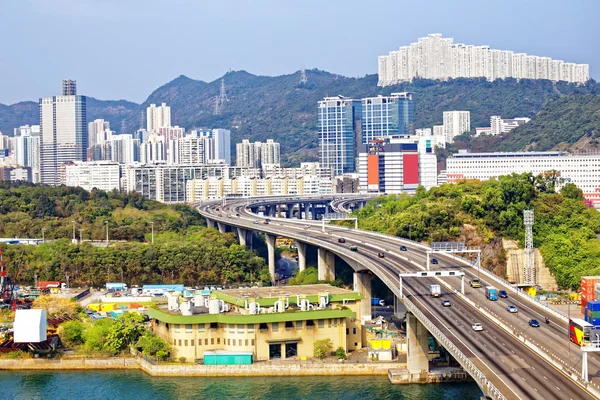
(270, 323)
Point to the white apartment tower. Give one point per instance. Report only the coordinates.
(436, 57)
(27, 149)
(456, 123)
(158, 117)
(63, 132)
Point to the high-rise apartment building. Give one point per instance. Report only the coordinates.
(255, 155)
(436, 57)
(158, 117)
(384, 116)
(339, 127)
(63, 133)
(222, 143)
(27, 149)
(98, 130)
(499, 126)
(456, 123)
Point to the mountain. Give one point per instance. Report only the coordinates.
(262, 107)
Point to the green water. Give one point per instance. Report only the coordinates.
(109, 385)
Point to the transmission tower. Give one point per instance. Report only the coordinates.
(529, 275)
(221, 99)
(122, 126)
(217, 109)
(303, 79)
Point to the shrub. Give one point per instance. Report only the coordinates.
(181, 359)
(323, 348)
(72, 333)
(340, 354)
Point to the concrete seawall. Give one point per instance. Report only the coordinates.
(259, 369)
(70, 364)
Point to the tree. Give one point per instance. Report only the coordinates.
(152, 346)
(72, 333)
(322, 348)
(126, 330)
(570, 191)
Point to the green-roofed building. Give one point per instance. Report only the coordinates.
(270, 322)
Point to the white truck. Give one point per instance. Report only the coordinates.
(435, 290)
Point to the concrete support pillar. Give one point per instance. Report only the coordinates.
(362, 285)
(289, 210)
(222, 227)
(326, 265)
(299, 211)
(418, 345)
(242, 236)
(306, 210)
(301, 255)
(210, 223)
(270, 239)
(314, 212)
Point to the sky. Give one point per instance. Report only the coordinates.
(125, 49)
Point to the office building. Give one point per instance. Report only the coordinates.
(581, 170)
(385, 116)
(63, 133)
(456, 123)
(222, 145)
(158, 117)
(396, 165)
(27, 149)
(69, 87)
(436, 57)
(100, 175)
(339, 127)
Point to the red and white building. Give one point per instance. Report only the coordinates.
(396, 164)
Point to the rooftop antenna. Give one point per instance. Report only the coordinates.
(303, 79)
(529, 267)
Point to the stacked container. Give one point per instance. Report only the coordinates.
(592, 312)
(588, 290)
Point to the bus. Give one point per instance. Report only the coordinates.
(580, 331)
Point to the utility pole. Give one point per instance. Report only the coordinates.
(74, 239)
(106, 223)
(80, 235)
(152, 223)
(43, 236)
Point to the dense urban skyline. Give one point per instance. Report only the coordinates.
(268, 28)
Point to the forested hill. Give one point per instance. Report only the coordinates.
(261, 107)
(184, 251)
(483, 213)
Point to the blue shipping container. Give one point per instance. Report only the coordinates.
(375, 301)
(220, 357)
(594, 321)
(593, 305)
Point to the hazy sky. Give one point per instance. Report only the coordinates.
(124, 49)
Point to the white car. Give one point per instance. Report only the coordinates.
(477, 326)
(512, 309)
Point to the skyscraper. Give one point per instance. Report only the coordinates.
(63, 132)
(222, 141)
(384, 116)
(158, 117)
(69, 87)
(27, 149)
(339, 127)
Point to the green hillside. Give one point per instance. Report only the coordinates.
(262, 107)
(482, 213)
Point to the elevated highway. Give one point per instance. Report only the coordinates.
(514, 360)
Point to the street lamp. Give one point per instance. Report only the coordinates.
(152, 223)
(106, 223)
(43, 236)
